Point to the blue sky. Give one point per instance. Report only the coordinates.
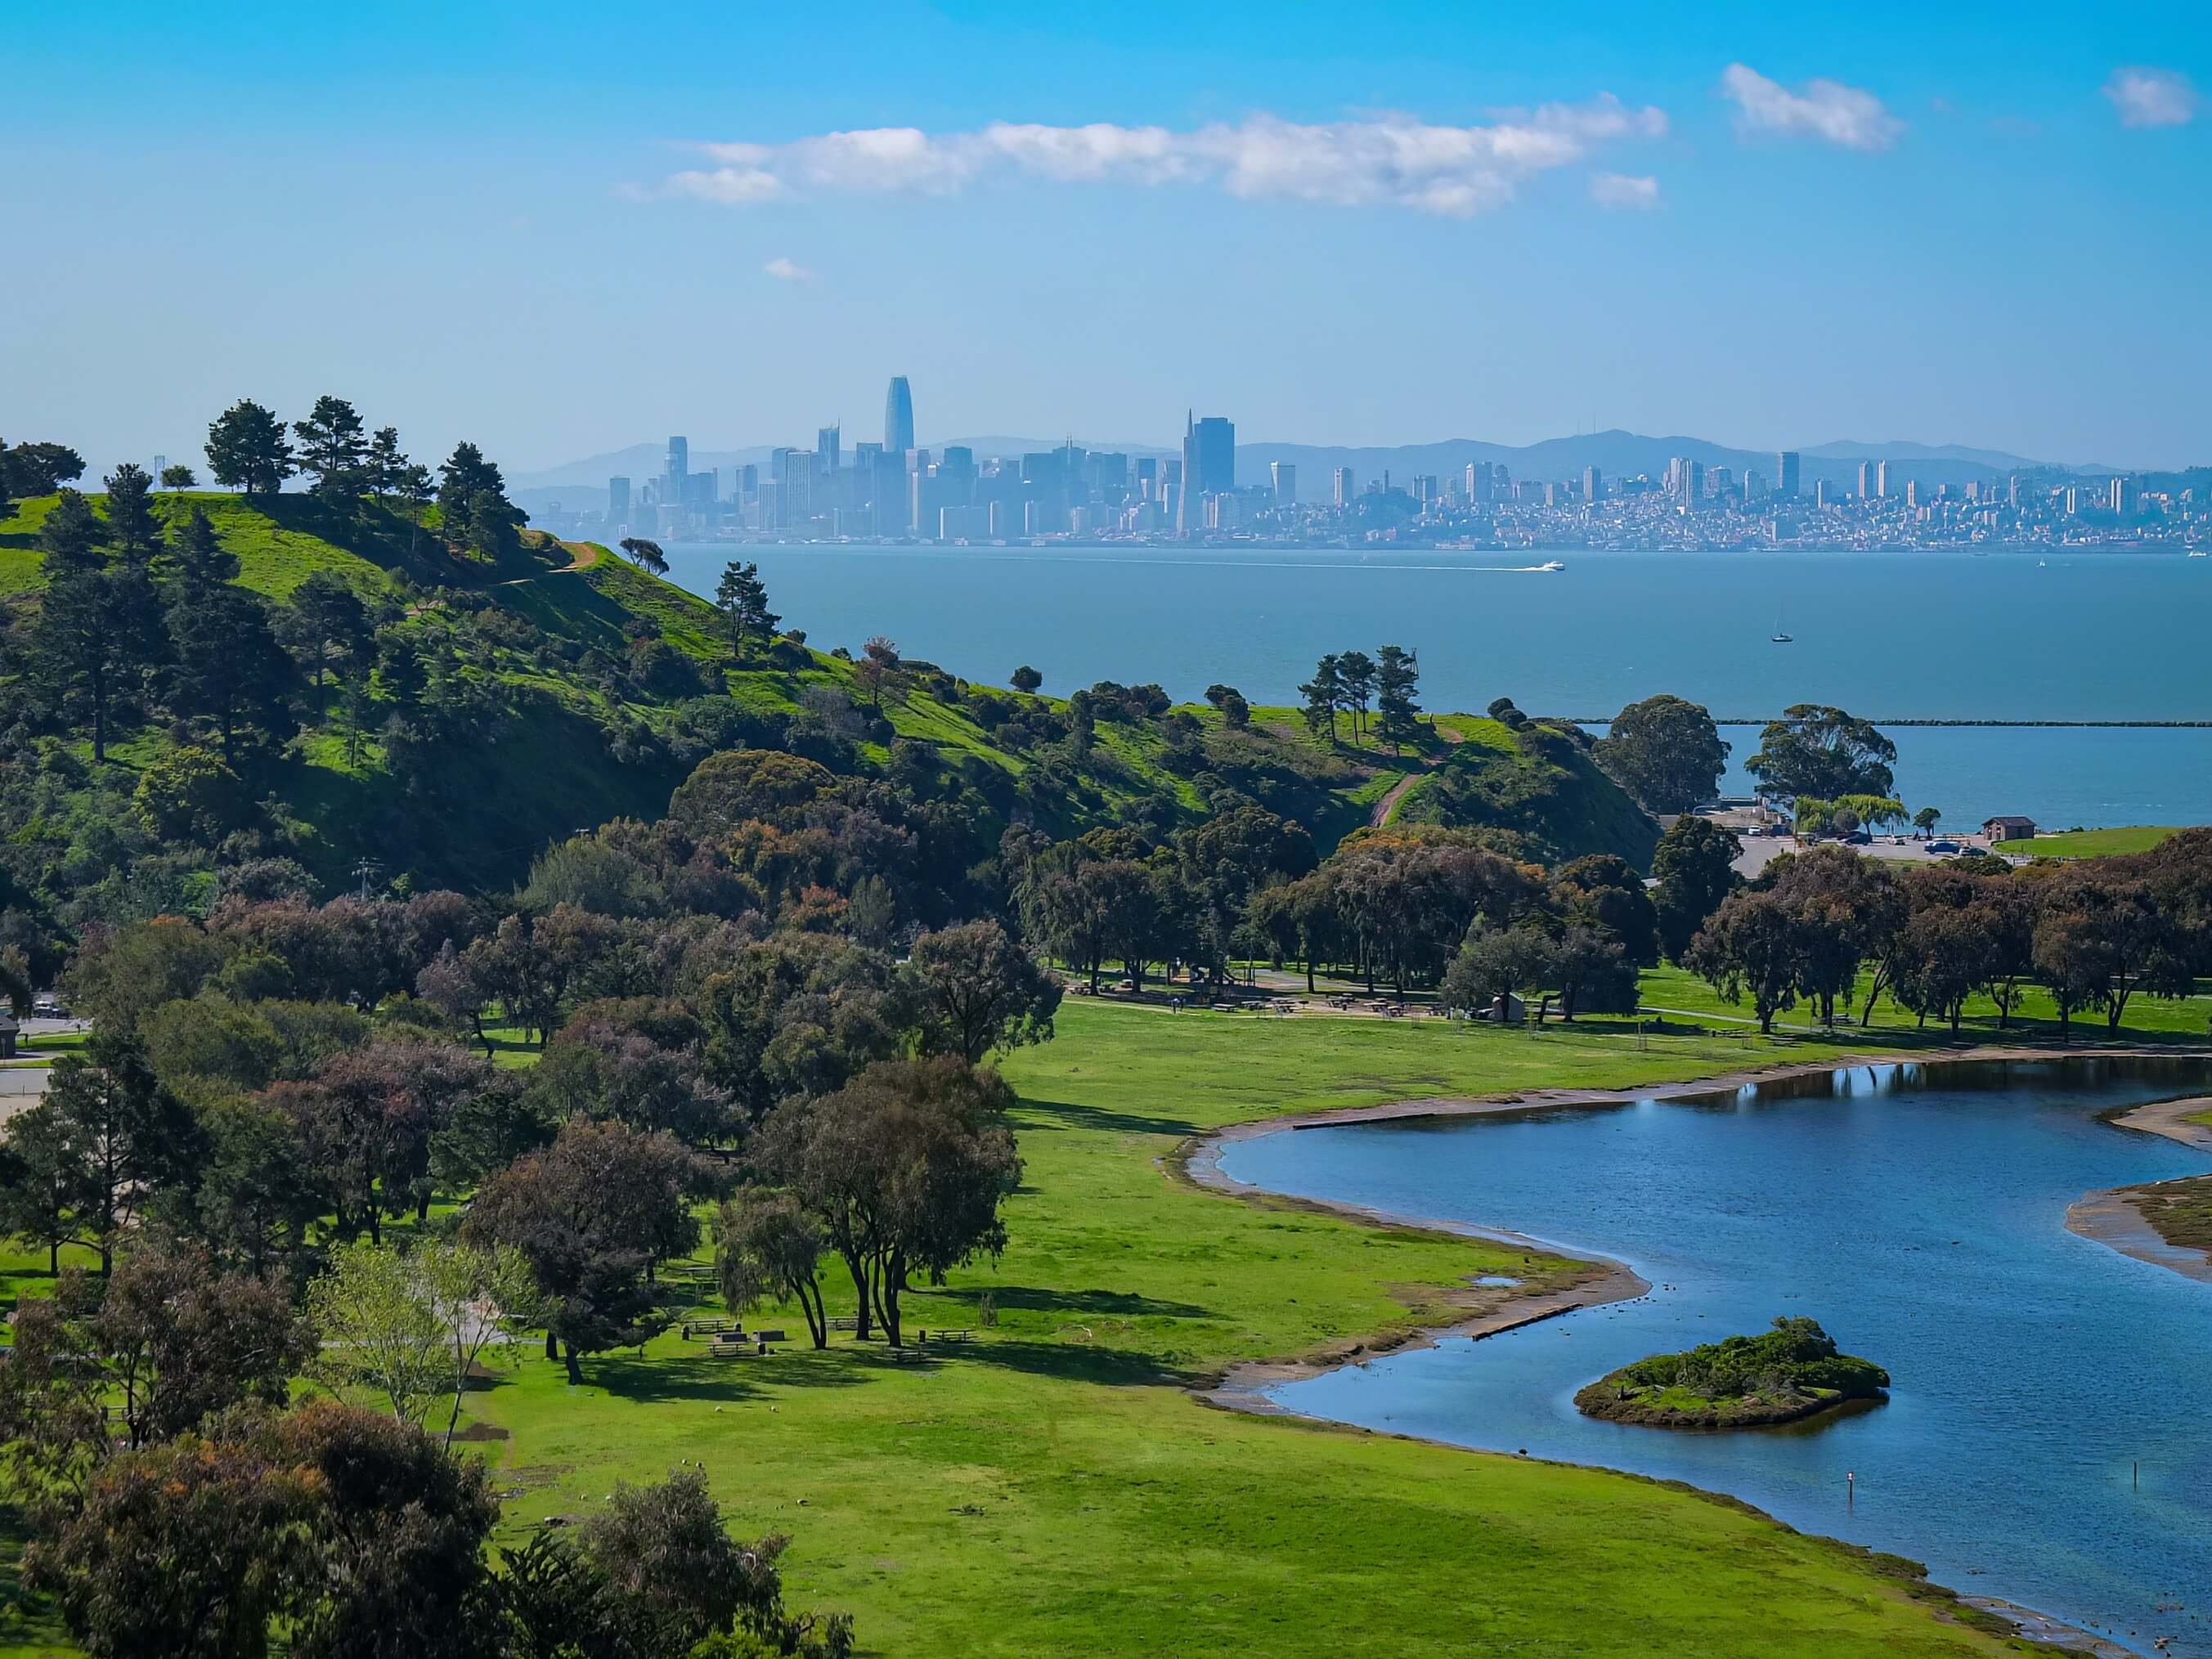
(560, 228)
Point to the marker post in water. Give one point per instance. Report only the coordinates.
(1851, 1487)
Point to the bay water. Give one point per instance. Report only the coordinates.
(2044, 1440)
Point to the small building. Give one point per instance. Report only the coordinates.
(2011, 827)
(9, 1031)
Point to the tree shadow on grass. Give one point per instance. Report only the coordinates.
(1050, 1115)
(1071, 1362)
(1124, 1303)
(668, 1377)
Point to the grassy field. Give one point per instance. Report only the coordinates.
(1056, 1489)
(2187, 1019)
(2095, 843)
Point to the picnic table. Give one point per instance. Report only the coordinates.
(711, 1327)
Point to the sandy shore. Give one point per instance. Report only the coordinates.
(2170, 1118)
(1244, 1387)
(2113, 1217)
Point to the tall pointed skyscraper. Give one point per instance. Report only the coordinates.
(899, 417)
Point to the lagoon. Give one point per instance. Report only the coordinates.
(1923, 635)
(1915, 1211)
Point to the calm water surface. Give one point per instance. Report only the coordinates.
(1917, 1214)
(2106, 636)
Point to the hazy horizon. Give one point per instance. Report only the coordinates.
(543, 229)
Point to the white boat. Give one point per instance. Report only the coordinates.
(1552, 564)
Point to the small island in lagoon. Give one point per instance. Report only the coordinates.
(1781, 1375)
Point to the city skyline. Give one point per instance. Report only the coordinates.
(1767, 227)
(897, 490)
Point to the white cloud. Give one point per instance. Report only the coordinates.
(786, 270)
(1392, 160)
(1827, 110)
(2152, 97)
(1619, 190)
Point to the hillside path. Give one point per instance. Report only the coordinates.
(1389, 804)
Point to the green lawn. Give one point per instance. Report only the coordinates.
(1056, 1489)
(2149, 1019)
(2095, 843)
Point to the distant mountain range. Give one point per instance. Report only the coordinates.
(581, 485)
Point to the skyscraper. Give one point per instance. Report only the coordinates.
(899, 417)
(1216, 455)
(1866, 481)
(829, 442)
(1882, 480)
(1344, 486)
(1284, 476)
(1787, 468)
(1187, 509)
(676, 469)
(618, 501)
(1592, 484)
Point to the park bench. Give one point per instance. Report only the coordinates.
(943, 1336)
(844, 1322)
(731, 1350)
(906, 1356)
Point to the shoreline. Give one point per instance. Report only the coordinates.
(2111, 1216)
(1244, 1386)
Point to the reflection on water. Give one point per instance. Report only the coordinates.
(1915, 1209)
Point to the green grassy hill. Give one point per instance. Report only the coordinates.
(574, 734)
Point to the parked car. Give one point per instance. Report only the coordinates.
(1859, 838)
(1944, 846)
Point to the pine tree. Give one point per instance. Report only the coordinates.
(1397, 677)
(1356, 672)
(70, 538)
(387, 467)
(202, 561)
(332, 447)
(247, 450)
(1324, 696)
(133, 527)
(99, 624)
(230, 669)
(742, 597)
(326, 622)
(464, 476)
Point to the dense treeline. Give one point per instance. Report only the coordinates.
(2093, 935)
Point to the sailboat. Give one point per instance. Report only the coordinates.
(1782, 635)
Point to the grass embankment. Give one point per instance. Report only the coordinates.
(577, 744)
(1054, 1488)
(2094, 843)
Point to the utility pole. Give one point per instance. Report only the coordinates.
(365, 870)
